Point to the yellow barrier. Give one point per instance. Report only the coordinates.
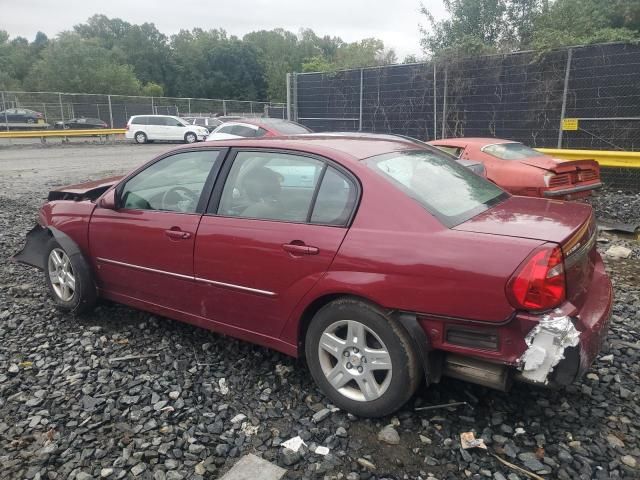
(62, 133)
(606, 158)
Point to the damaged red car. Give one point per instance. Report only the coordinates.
(521, 170)
(383, 262)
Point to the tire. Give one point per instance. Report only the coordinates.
(360, 389)
(77, 297)
(140, 137)
(190, 137)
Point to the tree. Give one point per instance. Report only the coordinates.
(580, 22)
(486, 26)
(474, 27)
(71, 64)
(152, 89)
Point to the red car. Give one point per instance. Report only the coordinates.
(255, 128)
(382, 261)
(521, 170)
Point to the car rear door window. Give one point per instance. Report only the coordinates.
(270, 186)
(450, 191)
(336, 199)
(174, 183)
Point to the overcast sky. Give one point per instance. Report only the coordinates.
(395, 22)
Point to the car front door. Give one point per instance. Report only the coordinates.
(143, 249)
(270, 232)
(175, 129)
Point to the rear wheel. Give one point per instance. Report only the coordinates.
(140, 137)
(361, 359)
(69, 279)
(190, 137)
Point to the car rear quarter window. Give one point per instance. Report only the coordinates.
(448, 190)
(140, 121)
(336, 199)
(511, 151)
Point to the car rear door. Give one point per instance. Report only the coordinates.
(143, 249)
(156, 128)
(272, 229)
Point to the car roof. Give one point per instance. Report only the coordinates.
(355, 146)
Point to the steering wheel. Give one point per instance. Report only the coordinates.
(183, 193)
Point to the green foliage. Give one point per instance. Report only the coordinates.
(110, 55)
(477, 27)
(152, 89)
(69, 64)
(581, 22)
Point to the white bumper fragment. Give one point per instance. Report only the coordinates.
(547, 342)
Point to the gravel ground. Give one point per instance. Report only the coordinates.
(192, 402)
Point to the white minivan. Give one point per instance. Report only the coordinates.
(145, 128)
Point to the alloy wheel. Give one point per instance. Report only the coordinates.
(63, 280)
(355, 361)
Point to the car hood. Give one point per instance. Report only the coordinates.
(533, 218)
(557, 165)
(84, 191)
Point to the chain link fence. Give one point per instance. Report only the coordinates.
(115, 110)
(525, 96)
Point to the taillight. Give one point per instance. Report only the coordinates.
(127, 126)
(539, 283)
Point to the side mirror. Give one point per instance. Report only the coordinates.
(108, 200)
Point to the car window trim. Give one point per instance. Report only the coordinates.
(206, 188)
(214, 201)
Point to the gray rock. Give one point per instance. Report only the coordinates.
(321, 415)
(389, 435)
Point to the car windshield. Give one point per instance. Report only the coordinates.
(448, 190)
(511, 151)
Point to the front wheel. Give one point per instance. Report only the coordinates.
(190, 137)
(69, 279)
(361, 359)
(140, 137)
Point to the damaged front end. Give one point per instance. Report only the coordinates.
(34, 248)
(549, 342)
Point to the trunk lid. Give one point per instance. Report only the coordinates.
(570, 225)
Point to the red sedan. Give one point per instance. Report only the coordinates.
(380, 260)
(524, 171)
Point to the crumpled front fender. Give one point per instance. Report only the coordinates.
(36, 242)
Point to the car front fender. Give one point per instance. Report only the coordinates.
(36, 242)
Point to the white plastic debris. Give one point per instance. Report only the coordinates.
(547, 342)
(320, 450)
(294, 443)
(224, 389)
(618, 252)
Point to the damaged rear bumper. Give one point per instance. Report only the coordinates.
(34, 248)
(564, 344)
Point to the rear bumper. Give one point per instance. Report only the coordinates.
(572, 190)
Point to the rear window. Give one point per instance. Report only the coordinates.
(511, 151)
(448, 190)
(290, 128)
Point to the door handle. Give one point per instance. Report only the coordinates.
(300, 249)
(176, 234)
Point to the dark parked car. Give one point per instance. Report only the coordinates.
(21, 115)
(210, 123)
(81, 123)
(382, 261)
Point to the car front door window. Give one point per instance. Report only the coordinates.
(172, 184)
